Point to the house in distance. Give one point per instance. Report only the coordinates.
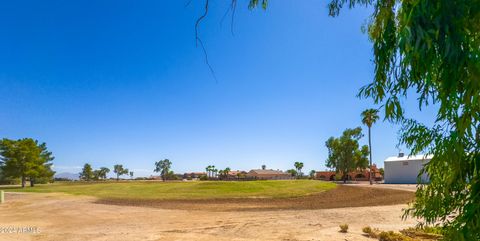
(268, 174)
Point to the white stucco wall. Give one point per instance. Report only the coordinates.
(404, 170)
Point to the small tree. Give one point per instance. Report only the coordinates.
(264, 167)
(96, 175)
(100, 173)
(119, 170)
(103, 172)
(163, 167)
(312, 174)
(292, 172)
(87, 173)
(131, 175)
(345, 153)
(25, 158)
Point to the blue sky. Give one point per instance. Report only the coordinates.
(109, 82)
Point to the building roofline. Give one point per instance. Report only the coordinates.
(408, 158)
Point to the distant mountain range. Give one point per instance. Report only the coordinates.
(67, 175)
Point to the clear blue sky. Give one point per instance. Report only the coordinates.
(109, 82)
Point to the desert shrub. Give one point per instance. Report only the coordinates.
(392, 236)
(371, 233)
(429, 233)
(367, 229)
(344, 228)
(432, 230)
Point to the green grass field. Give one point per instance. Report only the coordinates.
(148, 190)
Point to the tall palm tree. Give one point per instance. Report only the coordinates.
(207, 169)
(369, 117)
(215, 172)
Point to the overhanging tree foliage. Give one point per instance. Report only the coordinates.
(433, 49)
(345, 153)
(25, 158)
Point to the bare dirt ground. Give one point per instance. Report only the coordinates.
(404, 187)
(342, 196)
(65, 217)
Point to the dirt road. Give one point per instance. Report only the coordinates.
(64, 217)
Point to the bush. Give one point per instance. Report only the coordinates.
(203, 178)
(43, 180)
(10, 181)
(369, 232)
(410, 234)
(430, 233)
(392, 236)
(343, 228)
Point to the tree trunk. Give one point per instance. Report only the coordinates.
(23, 181)
(32, 182)
(370, 150)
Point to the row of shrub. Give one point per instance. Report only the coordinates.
(409, 234)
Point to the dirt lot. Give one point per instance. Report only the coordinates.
(65, 217)
(342, 196)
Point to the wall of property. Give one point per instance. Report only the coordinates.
(404, 172)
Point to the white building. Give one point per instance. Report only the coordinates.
(403, 169)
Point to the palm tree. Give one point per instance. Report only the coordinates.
(226, 172)
(369, 117)
(214, 171)
(221, 174)
(208, 169)
(299, 166)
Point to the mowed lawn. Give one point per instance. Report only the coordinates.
(151, 190)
